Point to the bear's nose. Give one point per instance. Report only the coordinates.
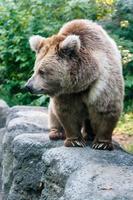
(28, 87)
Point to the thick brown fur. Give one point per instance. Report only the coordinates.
(80, 68)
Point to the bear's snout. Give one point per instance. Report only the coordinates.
(28, 86)
(33, 86)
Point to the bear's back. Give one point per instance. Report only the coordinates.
(92, 36)
(89, 32)
(101, 46)
(95, 39)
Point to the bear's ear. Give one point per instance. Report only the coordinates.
(70, 43)
(35, 42)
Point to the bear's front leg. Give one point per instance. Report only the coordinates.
(69, 111)
(73, 135)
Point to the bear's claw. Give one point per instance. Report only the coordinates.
(103, 146)
(75, 142)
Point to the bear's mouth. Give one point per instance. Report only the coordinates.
(50, 92)
(34, 91)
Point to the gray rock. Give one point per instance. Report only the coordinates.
(35, 168)
(75, 173)
(3, 113)
(21, 119)
(2, 132)
(28, 166)
(106, 182)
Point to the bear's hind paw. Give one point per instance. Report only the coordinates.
(55, 134)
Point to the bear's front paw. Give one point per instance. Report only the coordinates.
(76, 142)
(103, 145)
(55, 134)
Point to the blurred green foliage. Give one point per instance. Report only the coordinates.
(20, 19)
(121, 27)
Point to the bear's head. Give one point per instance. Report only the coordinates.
(56, 65)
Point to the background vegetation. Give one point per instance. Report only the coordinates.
(20, 19)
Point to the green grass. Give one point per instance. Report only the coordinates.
(129, 148)
(125, 125)
(125, 130)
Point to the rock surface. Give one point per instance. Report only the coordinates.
(4, 109)
(87, 174)
(35, 168)
(20, 120)
(3, 113)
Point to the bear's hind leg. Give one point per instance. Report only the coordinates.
(56, 130)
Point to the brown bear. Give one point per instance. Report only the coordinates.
(80, 69)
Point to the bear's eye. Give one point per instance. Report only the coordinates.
(41, 72)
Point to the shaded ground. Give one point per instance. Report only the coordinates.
(123, 133)
(126, 141)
